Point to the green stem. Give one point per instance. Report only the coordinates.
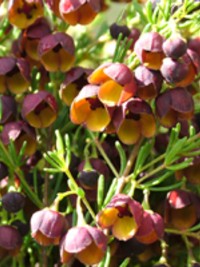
(84, 200)
(149, 174)
(20, 175)
(101, 150)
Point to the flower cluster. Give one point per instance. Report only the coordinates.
(99, 133)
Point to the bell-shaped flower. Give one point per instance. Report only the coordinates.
(75, 80)
(85, 243)
(151, 228)
(88, 110)
(182, 209)
(14, 75)
(174, 105)
(134, 120)
(39, 109)
(149, 82)
(10, 240)
(22, 13)
(123, 216)
(19, 132)
(48, 227)
(116, 81)
(79, 11)
(56, 52)
(149, 50)
(32, 35)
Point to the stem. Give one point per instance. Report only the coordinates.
(102, 152)
(130, 162)
(84, 200)
(149, 174)
(178, 232)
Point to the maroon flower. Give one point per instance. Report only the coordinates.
(23, 13)
(75, 80)
(39, 109)
(10, 240)
(79, 11)
(56, 52)
(87, 244)
(14, 75)
(116, 81)
(133, 120)
(19, 132)
(151, 228)
(182, 209)
(149, 82)
(88, 110)
(174, 105)
(122, 215)
(32, 35)
(149, 50)
(47, 227)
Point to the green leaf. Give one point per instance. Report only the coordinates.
(142, 156)
(175, 149)
(157, 180)
(111, 191)
(181, 165)
(149, 12)
(59, 143)
(68, 150)
(80, 192)
(167, 188)
(125, 262)
(100, 191)
(122, 155)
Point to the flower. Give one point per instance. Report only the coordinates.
(10, 240)
(133, 120)
(174, 47)
(39, 109)
(9, 109)
(75, 79)
(149, 82)
(181, 209)
(14, 75)
(86, 243)
(56, 52)
(88, 110)
(47, 226)
(80, 11)
(116, 81)
(22, 13)
(174, 105)
(151, 228)
(123, 216)
(149, 50)
(19, 132)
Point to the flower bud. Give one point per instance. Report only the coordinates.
(174, 47)
(13, 201)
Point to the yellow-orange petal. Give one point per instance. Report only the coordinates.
(124, 228)
(30, 147)
(152, 60)
(148, 125)
(129, 132)
(97, 119)
(107, 217)
(16, 83)
(98, 76)
(66, 60)
(79, 111)
(91, 255)
(110, 93)
(68, 93)
(169, 119)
